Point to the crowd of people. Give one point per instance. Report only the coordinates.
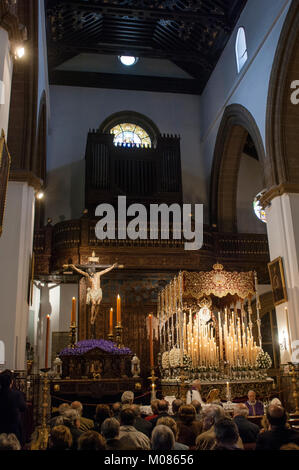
(123, 426)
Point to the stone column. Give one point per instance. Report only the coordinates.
(282, 212)
(15, 255)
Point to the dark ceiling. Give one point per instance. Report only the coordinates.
(190, 33)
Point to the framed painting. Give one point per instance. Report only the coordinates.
(277, 279)
(4, 176)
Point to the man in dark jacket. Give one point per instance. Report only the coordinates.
(248, 431)
(12, 403)
(279, 433)
(141, 424)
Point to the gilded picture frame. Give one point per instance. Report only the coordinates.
(277, 280)
(5, 161)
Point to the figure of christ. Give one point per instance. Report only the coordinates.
(94, 291)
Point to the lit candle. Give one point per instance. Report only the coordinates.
(111, 322)
(47, 341)
(227, 390)
(118, 311)
(73, 315)
(151, 341)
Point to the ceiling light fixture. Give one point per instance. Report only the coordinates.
(128, 60)
(20, 52)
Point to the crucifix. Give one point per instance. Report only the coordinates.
(94, 291)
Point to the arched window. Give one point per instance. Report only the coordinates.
(257, 207)
(131, 129)
(241, 49)
(130, 134)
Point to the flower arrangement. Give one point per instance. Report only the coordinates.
(263, 360)
(174, 358)
(187, 362)
(86, 345)
(165, 360)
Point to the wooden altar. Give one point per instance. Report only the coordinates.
(238, 390)
(95, 369)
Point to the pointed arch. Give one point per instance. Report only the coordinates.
(237, 122)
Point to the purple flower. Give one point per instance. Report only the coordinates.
(88, 344)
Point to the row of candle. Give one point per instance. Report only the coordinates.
(73, 323)
(207, 345)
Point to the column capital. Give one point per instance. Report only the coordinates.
(10, 21)
(279, 190)
(26, 176)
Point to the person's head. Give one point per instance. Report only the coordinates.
(115, 408)
(176, 404)
(127, 417)
(213, 395)
(73, 417)
(136, 409)
(226, 432)
(251, 396)
(110, 428)
(196, 384)
(127, 398)
(276, 415)
(162, 438)
(63, 408)
(197, 406)
(102, 413)
(212, 414)
(187, 414)
(8, 377)
(170, 423)
(290, 446)
(77, 405)
(241, 410)
(9, 442)
(91, 440)
(154, 406)
(163, 406)
(276, 401)
(61, 438)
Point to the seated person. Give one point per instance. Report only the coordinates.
(194, 393)
(214, 396)
(279, 433)
(226, 435)
(256, 408)
(248, 431)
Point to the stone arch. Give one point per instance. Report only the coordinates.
(236, 124)
(131, 116)
(282, 130)
(41, 140)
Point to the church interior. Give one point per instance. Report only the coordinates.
(183, 113)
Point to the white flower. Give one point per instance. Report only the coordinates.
(263, 360)
(174, 358)
(165, 360)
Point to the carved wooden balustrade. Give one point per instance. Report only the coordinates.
(74, 240)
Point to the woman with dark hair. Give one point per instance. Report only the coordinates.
(102, 412)
(188, 427)
(12, 402)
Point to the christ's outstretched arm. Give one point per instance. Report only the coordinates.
(76, 269)
(107, 270)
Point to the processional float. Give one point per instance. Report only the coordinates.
(205, 324)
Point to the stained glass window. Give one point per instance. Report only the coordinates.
(130, 134)
(259, 211)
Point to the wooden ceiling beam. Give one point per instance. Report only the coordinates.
(140, 13)
(126, 82)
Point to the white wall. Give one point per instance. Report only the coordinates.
(6, 69)
(54, 300)
(15, 257)
(74, 110)
(263, 21)
(250, 183)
